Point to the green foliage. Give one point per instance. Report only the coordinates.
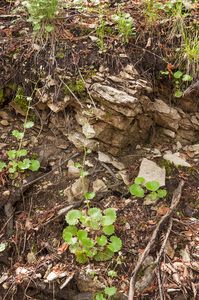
(179, 79)
(124, 26)
(42, 13)
(153, 186)
(81, 241)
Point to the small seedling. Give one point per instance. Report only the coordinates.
(153, 186)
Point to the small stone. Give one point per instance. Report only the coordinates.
(4, 122)
(98, 185)
(68, 194)
(150, 171)
(138, 147)
(97, 78)
(70, 163)
(193, 148)
(73, 172)
(31, 257)
(77, 188)
(6, 193)
(51, 163)
(176, 160)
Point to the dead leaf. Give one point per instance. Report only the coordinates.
(62, 248)
(190, 154)
(161, 211)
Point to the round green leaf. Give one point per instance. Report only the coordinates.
(72, 229)
(90, 196)
(102, 240)
(18, 134)
(25, 164)
(108, 230)
(100, 297)
(12, 154)
(110, 217)
(73, 216)
(94, 224)
(22, 152)
(153, 195)
(49, 28)
(178, 94)
(136, 190)
(152, 185)
(36, 27)
(112, 273)
(116, 244)
(77, 165)
(177, 74)
(74, 248)
(2, 165)
(84, 219)
(139, 180)
(104, 255)
(161, 193)
(186, 77)
(35, 165)
(88, 242)
(82, 234)
(95, 214)
(81, 257)
(28, 125)
(110, 290)
(67, 236)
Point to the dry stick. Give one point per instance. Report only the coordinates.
(106, 167)
(159, 257)
(70, 91)
(174, 203)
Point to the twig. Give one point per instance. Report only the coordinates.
(88, 92)
(159, 257)
(106, 167)
(174, 203)
(70, 91)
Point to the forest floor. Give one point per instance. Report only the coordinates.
(37, 229)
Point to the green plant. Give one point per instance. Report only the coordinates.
(96, 245)
(179, 79)
(124, 26)
(13, 155)
(42, 13)
(100, 29)
(151, 10)
(153, 186)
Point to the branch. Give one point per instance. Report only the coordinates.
(174, 203)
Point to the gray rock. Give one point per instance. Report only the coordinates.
(176, 160)
(150, 171)
(166, 116)
(77, 188)
(85, 283)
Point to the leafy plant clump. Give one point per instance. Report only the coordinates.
(124, 26)
(153, 186)
(42, 13)
(14, 156)
(92, 241)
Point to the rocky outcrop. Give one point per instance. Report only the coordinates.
(121, 110)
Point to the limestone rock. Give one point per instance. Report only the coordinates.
(85, 283)
(98, 185)
(176, 160)
(77, 188)
(193, 148)
(166, 116)
(116, 99)
(73, 172)
(131, 70)
(68, 194)
(150, 171)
